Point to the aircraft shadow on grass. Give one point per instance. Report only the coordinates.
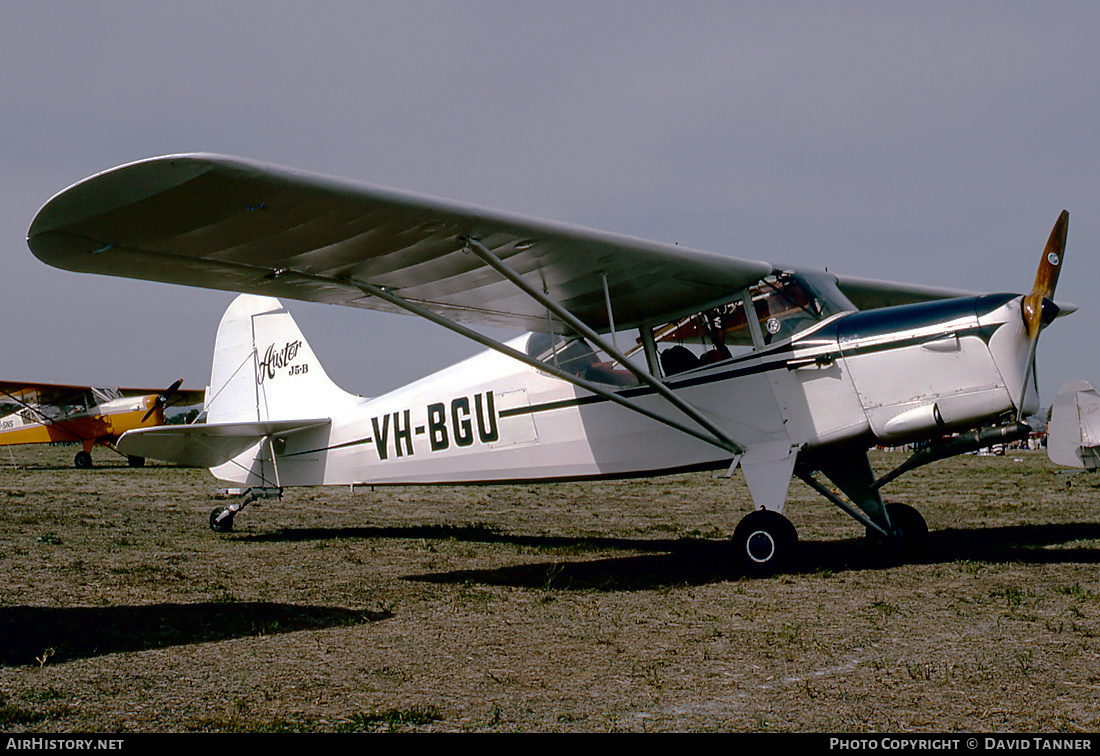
(697, 561)
(32, 635)
(102, 467)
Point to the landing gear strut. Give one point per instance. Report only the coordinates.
(765, 541)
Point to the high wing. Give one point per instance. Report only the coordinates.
(15, 395)
(870, 294)
(228, 223)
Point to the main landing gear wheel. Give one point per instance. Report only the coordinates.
(83, 460)
(220, 524)
(910, 534)
(764, 542)
(136, 461)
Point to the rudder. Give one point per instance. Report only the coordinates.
(264, 369)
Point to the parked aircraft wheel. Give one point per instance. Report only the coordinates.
(910, 534)
(83, 460)
(764, 542)
(136, 461)
(224, 525)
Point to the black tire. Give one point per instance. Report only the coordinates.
(83, 460)
(136, 461)
(909, 537)
(764, 542)
(223, 525)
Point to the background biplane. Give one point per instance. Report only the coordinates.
(42, 413)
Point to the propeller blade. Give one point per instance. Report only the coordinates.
(162, 399)
(1046, 279)
(1028, 370)
(171, 390)
(1038, 306)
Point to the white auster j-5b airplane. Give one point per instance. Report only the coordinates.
(642, 358)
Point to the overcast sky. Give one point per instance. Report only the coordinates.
(922, 142)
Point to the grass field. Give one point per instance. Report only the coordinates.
(567, 607)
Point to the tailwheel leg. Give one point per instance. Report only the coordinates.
(221, 518)
(764, 542)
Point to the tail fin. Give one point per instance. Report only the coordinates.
(264, 370)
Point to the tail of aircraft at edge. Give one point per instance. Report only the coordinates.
(265, 381)
(1073, 435)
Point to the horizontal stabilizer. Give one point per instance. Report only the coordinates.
(206, 444)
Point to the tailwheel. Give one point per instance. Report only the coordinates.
(764, 542)
(909, 534)
(83, 460)
(221, 520)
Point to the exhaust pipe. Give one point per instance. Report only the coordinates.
(961, 444)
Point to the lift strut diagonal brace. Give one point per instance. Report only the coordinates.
(424, 312)
(580, 327)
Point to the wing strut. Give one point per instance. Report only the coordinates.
(716, 439)
(580, 327)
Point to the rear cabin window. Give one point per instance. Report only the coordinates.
(574, 355)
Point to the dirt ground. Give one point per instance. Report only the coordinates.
(569, 607)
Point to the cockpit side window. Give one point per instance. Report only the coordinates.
(782, 305)
(574, 355)
(702, 339)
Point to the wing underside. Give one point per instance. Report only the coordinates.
(16, 395)
(230, 224)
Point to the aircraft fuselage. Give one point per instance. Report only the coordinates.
(887, 376)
